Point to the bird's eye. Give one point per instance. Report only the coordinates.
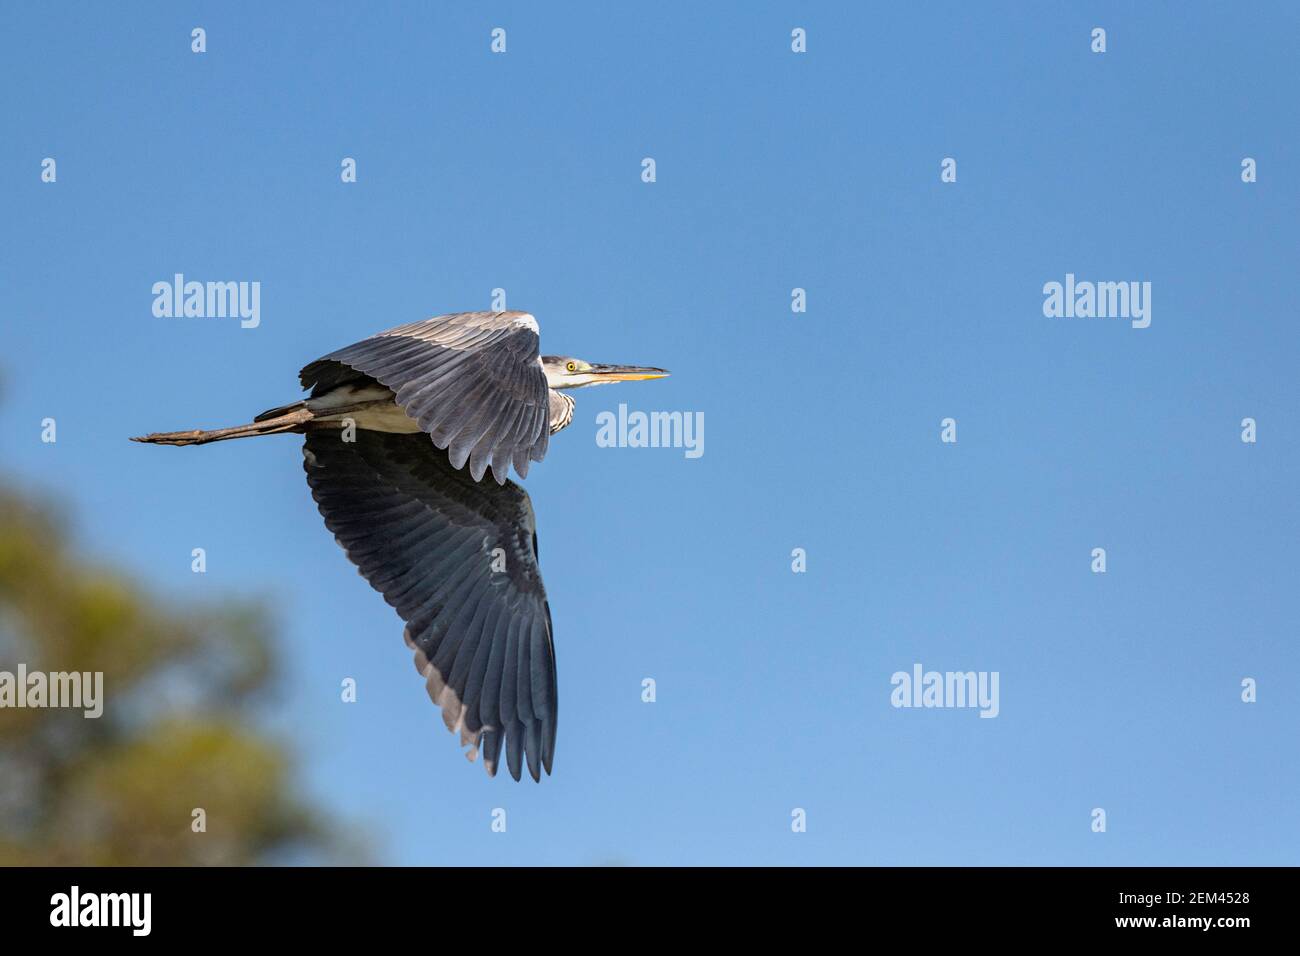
(572, 366)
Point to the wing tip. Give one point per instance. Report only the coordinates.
(330, 461)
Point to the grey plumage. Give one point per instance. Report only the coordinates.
(425, 535)
(401, 429)
(561, 411)
(472, 380)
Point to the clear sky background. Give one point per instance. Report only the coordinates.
(775, 170)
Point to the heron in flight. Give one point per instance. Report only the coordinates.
(401, 429)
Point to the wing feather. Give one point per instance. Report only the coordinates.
(472, 380)
(425, 535)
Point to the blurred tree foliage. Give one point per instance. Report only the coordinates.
(178, 686)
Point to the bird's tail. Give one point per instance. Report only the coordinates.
(288, 418)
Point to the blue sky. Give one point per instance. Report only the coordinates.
(775, 170)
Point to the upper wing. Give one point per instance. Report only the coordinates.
(458, 560)
(473, 380)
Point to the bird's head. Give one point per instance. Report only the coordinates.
(565, 371)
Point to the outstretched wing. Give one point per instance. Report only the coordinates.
(458, 560)
(473, 380)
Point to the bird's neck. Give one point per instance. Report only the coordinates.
(561, 411)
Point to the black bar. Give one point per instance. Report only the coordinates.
(328, 905)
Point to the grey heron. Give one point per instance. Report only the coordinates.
(400, 431)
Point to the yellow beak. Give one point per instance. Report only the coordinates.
(626, 373)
